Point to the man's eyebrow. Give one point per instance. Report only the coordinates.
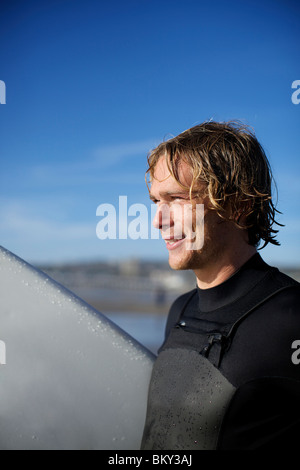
(168, 194)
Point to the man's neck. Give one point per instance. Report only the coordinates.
(217, 273)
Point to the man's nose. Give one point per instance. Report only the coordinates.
(163, 217)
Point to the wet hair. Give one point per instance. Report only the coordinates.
(228, 158)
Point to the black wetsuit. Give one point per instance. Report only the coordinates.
(225, 378)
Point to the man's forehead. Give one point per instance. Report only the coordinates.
(162, 173)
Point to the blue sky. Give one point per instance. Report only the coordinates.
(92, 86)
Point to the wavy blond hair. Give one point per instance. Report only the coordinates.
(228, 158)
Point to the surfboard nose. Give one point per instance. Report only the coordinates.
(71, 378)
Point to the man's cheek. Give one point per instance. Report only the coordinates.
(196, 233)
(178, 227)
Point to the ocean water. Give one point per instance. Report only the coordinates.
(147, 329)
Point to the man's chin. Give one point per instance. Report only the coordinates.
(179, 263)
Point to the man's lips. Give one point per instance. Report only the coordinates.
(173, 243)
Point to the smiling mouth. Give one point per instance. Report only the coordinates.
(173, 243)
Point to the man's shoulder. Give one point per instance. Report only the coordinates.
(275, 323)
(275, 285)
(285, 304)
(286, 279)
(289, 289)
(277, 298)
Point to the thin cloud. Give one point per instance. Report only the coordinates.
(109, 156)
(24, 222)
(102, 164)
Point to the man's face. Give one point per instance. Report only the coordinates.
(178, 222)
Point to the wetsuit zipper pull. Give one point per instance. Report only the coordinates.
(212, 339)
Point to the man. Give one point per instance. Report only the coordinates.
(224, 377)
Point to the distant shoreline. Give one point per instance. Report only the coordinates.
(132, 307)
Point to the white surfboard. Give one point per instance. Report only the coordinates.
(70, 378)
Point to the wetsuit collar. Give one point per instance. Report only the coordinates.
(234, 287)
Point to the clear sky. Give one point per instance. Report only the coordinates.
(92, 86)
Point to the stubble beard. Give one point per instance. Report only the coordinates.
(186, 260)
